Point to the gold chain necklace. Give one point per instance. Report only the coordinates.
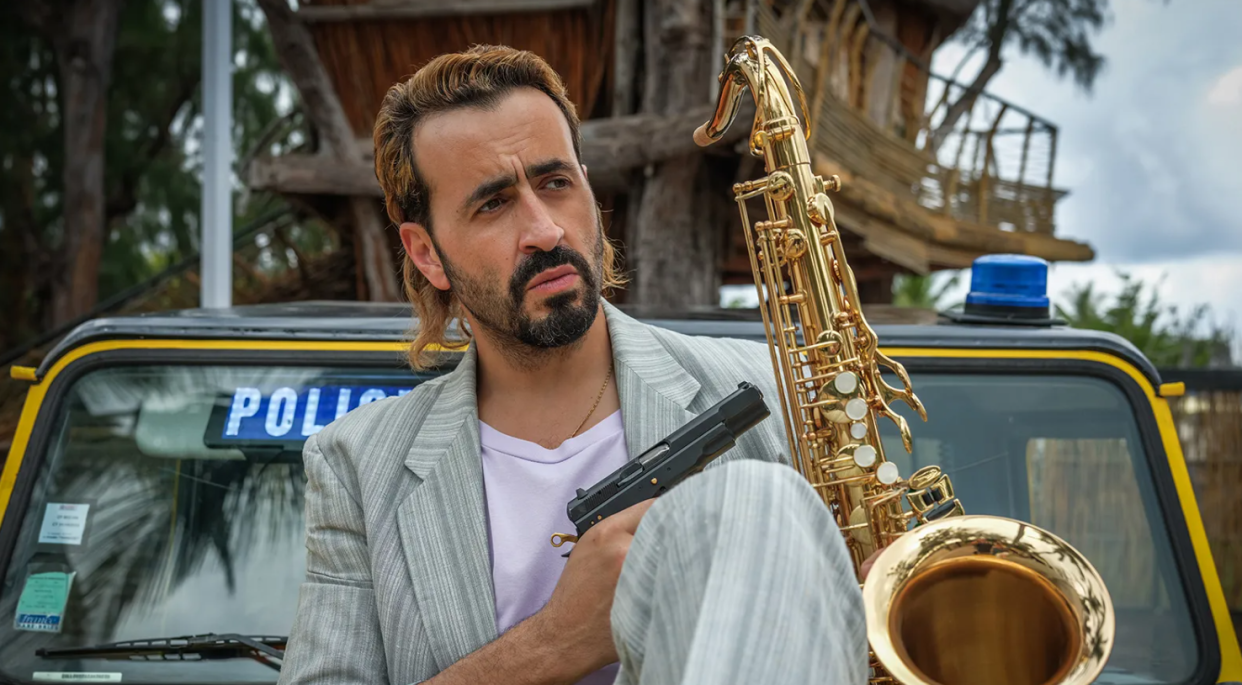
(595, 406)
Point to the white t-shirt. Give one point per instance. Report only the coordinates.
(527, 487)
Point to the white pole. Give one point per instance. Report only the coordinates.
(718, 48)
(217, 209)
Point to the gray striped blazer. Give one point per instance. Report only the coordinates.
(398, 583)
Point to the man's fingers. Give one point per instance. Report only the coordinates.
(629, 517)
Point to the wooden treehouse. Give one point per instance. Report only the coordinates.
(918, 197)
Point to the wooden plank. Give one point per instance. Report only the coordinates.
(610, 149)
(422, 9)
(302, 174)
(883, 240)
(910, 217)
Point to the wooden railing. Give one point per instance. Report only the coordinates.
(871, 113)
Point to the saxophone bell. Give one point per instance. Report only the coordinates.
(978, 600)
(957, 599)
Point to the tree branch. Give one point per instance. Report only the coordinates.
(124, 198)
(299, 57)
(996, 33)
(611, 148)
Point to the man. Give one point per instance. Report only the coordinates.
(429, 516)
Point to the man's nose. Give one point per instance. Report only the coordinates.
(540, 232)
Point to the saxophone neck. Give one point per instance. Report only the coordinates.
(754, 64)
(733, 83)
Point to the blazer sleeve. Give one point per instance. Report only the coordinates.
(335, 639)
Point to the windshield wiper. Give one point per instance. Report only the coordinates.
(261, 648)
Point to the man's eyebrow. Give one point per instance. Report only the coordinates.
(498, 183)
(547, 167)
(488, 188)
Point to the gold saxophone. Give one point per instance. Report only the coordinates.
(951, 599)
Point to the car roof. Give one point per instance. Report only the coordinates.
(370, 321)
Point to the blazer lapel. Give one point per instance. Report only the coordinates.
(443, 523)
(655, 390)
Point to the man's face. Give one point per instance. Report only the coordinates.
(515, 231)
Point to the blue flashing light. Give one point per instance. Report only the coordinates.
(1018, 283)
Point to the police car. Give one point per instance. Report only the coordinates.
(151, 525)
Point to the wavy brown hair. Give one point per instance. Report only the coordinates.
(478, 77)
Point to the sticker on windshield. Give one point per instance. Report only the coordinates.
(75, 677)
(41, 605)
(63, 524)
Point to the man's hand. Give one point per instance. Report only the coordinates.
(571, 637)
(866, 565)
(581, 605)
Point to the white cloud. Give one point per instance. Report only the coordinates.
(1152, 159)
(1228, 89)
(1147, 161)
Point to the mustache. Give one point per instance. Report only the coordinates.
(539, 262)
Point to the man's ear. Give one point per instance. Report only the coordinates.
(422, 252)
(584, 171)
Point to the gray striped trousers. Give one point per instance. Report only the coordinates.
(739, 575)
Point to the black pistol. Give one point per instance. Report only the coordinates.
(668, 462)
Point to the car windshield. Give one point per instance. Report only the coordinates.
(168, 501)
(1064, 453)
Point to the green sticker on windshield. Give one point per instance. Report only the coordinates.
(42, 603)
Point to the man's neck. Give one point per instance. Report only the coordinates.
(544, 397)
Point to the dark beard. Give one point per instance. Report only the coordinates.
(571, 314)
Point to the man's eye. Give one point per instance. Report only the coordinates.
(558, 183)
(491, 205)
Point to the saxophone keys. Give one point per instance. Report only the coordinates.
(841, 403)
(780, 186)
(795, 244)
(829, 342)
(819, 209)
(888, 473)
(864, 456)
(831, 185)
(845, 383)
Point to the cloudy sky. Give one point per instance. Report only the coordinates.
(1153, 158)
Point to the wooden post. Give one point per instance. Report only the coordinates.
(894, 105)
(296, 49)
(857, 78)
(826, 47)
(985, 184)
(675, 245)
(840, 58)
(1052, 162)
(956, 175)
(717, 51)
(625, 55)
(1026, 148)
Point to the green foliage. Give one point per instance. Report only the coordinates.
(910, 290)
(153, 161)
(31, 148)
(1158, 330)
(155, 126)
